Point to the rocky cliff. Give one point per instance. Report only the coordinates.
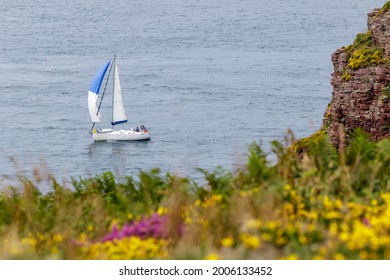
(361, 83)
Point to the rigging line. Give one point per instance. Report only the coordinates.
(104, 91)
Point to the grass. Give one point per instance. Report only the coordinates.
(384, 9)
(321, 205)
(302, 145)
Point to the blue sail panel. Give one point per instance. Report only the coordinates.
(98, 78)
(118, 122)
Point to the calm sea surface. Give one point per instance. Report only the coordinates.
(205, 77)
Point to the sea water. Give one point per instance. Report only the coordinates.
(206, 78)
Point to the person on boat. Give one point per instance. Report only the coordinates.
(137, 129)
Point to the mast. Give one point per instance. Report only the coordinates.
(113, 90)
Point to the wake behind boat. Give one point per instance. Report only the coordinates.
(118, 110)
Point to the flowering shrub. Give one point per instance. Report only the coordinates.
(363, 53)
(127, 248)
(322, 204)
(367, 57)
(152, 226)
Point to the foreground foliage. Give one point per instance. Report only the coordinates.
(321, 205)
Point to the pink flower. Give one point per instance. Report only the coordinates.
(153, 226)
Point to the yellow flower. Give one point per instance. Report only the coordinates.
(227, 241)
(212, 257)
(339, 256)
(266, 236)
(188, 220)
(217, 197)
(332, 215)
(129, 248)
(272, 225)
(327, 203)
(162, 211)
(386, 197)
(333, 229)
(338, 203)
(302, 239)
(57, 237)
(82, 237)
(291, 257)
(293, 194)
(288, 207)
(313, 215)
(344, 236)
(29, 241)
(280, 240)
(250, 241)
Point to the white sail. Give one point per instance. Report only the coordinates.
(118, 110)
(93, 92)
(93, 110)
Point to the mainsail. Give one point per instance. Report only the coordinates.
(94, 89)
(118, 110)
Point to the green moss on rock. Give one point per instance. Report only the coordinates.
(362, 40)
(384, 9)
(363, 53)
(302, 145)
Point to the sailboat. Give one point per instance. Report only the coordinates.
(118, 110)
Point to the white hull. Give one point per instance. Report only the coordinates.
(120, 135)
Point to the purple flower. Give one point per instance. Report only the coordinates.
(366, 222)
(153, 226)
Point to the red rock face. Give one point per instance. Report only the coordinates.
(359, 100)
